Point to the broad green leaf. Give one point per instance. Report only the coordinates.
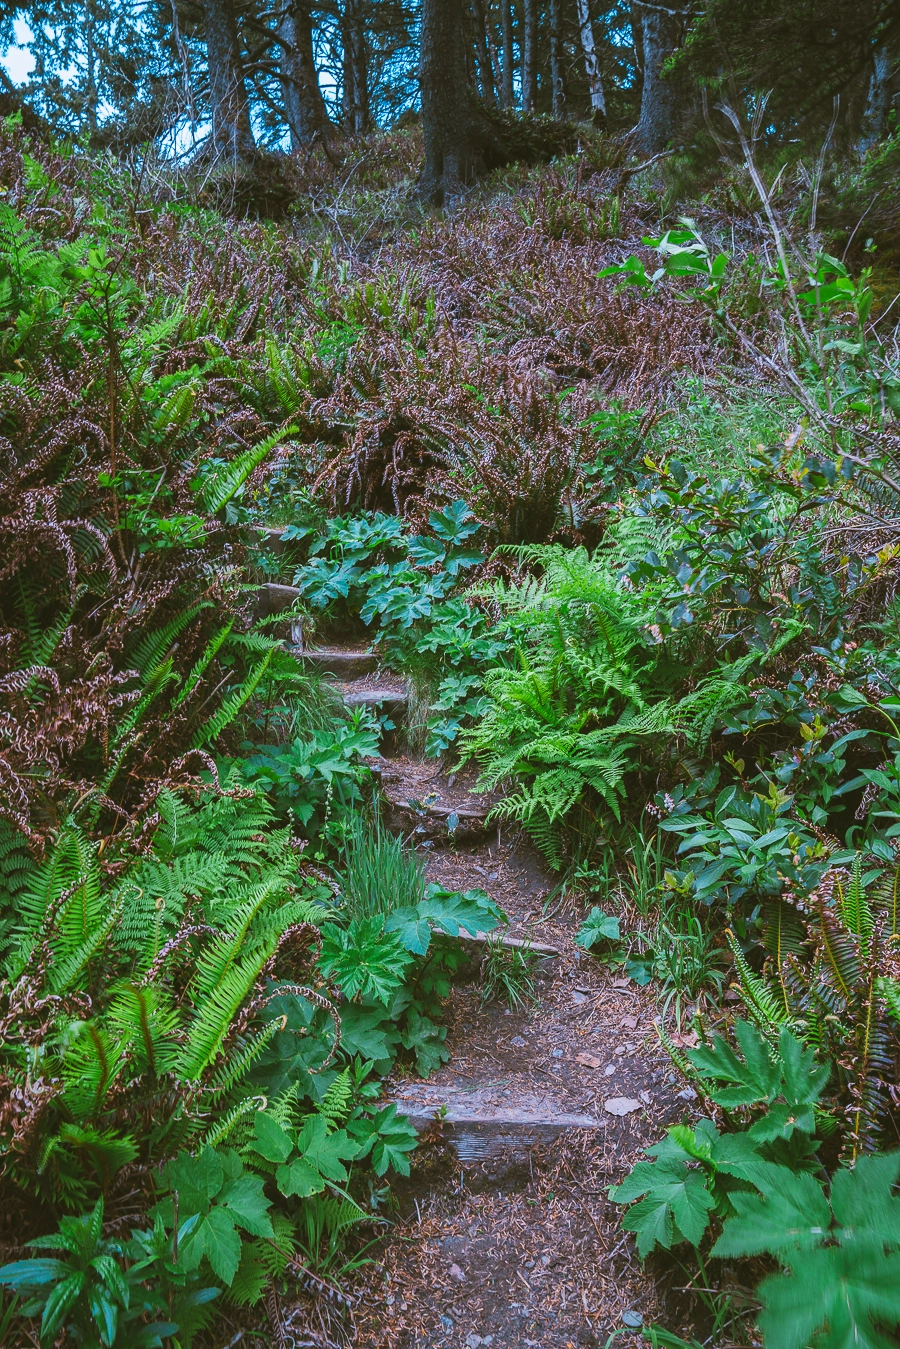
(218, 1239)
(244, 1198)
(598, 926)
(270, 1139)
(326, 1151)
(790, 1212)
(863, 1200)
(300, 1179)
(62, 1297)
(413, 930)
(197, 1180)
(676, 1207)
(844, 1297)
(24, 1274)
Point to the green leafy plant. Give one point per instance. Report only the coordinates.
(698, 1170)
(102, 1292)
(840, 1253)
(832, 975)
(597, 928)
(214, 1188)
(377, 874)
(507, 975)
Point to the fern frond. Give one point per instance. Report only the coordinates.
(223, 486)
(766, 1008)
(232, 704)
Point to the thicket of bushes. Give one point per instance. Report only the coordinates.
(632, 536)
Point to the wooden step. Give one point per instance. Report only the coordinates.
(437, 816)
(344, 663)
(274, 598)
(388, 697)
(481, 1126)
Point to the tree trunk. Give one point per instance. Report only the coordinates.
(232, 135)
(660, 98)
(591, 64)
(483, 54)
(304, 105)
(356, 74)
(461, 142)
(878, 100)
(557, 80)
(529, 54)
(507, 97)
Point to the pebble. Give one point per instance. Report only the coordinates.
(446, 1323)
(687, 1095)
(632, 1319)
(517, 1042)
(579, 997)
(609, 1070)
(457, 1274)
(557, 1053)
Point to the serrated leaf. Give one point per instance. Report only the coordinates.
(791, 1212)
(863, 1200)
(270, 1139)
(450, 910)
(217, 1238)
(300, 1179)
(326, 1151)
(834, 1295)
(244, 1198)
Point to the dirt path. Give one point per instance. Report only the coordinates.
(504, 1235)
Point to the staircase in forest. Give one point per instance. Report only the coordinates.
(579, 1062)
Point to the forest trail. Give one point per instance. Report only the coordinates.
(504, 1235)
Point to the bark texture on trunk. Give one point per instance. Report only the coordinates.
(661, 99)
(507, 97)
(356, 74)
(529, 54)
(232, 135)
(483, 53)
(461, 142)
(591, 63)
(878, 99)
(304, 105)
(557, 79)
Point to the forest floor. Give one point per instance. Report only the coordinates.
(520, 1246)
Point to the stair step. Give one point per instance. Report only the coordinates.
(511, 943)
(392, 699)
(273, 598)
(480, 1128)
(345, 664)
(432, 820)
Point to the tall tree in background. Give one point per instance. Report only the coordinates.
(507, 96)
(304, 106)
(529, 53)
(662, 95)
(483, 54)
(461, 141)
(232, 134)
(806, 52)
(356, 74)
(591, 63)
(557, 78)
(879, 94)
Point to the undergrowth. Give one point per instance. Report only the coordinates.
(623, 507)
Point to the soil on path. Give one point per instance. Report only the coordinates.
(524, 1248)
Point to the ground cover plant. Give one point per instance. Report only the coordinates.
(603, 464)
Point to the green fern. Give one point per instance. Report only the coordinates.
(220, 489)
